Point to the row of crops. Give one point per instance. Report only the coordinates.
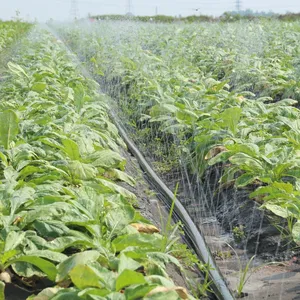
(221, 95)
(65, 222)
(10, 32)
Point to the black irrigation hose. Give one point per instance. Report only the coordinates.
(219, 286)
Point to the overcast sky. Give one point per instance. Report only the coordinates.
(60, 9)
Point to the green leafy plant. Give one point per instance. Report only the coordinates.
(63, 213)
(197, 106)
(238, 233)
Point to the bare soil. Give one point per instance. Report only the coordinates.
(267, 280)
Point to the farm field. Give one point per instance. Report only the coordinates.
(223, 95)
(214, 109)
(69, 230)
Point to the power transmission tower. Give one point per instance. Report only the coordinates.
(129, 7)
(238, 5)
(74, 10)
(156, 10)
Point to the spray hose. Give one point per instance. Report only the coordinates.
(199, 245)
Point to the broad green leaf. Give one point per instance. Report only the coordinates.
(293, 173)
(155, 268)
(187, 116)
(113, 296)
(247, 148)
(219, 86)
(48, 254)
(247, 162)
(296, 232)
(30, 170)
(9, 127)
(127, 263)
(164, 257)
(51, 142)
(159, 280)
(20, 197)
(136, 292)
(13, 240)
(293, 124)
(39, 87)
(142, 240)
(46, 294)
(51, 229)
(79, 96)
(54, 211)
(245, 179)
(71, 149)
(45, 266)
(107, 277)
(274, 189)
(3, 159)
(221, 157)
(64, 242)
(119, 217)
(67, 295)
(79, 170)
(284, 186)
(116, 174)
(278, 210)
(91, 293)
(16, 69)
(170, 295)
(129, 277)
(66, 266)
(116, 188)
(83, 276)
(7, 255)
(106, 159)
(231, 117)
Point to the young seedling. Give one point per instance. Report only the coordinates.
(169, 231)
(244, 273)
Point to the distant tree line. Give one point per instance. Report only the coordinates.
(231, 16)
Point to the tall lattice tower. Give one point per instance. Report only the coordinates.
(74, 12)
(238, 5)
(129, 7)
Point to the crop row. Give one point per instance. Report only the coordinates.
(221, 93)
(10, 32)
(63, 215)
